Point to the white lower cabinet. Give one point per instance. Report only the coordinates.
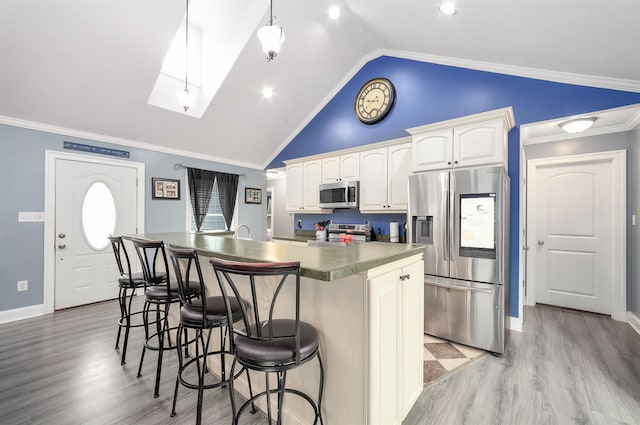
(396, 342)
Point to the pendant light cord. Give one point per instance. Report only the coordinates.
(186, 49)
(271, 12)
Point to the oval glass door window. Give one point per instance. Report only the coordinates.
(98, 215)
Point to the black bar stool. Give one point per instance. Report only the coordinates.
(158, 292)
(264, 342)
(199, 313)
(128, 282)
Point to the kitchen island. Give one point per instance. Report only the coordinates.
(366, 301)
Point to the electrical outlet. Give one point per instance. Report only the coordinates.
(299, 224)
(23, 285)
(633, 219)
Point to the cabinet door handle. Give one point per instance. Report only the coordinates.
(455, 162)
(449, 163)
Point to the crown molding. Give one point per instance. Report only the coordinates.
(521, 71)
(619, 124)
(70, 132)
(540, 74)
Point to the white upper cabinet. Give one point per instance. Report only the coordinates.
(303, 181)
(373, 180)
(294, 187)
(383, 178)
(432, 151)
(343, 167)
(476, 140)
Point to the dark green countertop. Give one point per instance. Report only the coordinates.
(321, 263)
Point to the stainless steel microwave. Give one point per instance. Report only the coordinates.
(339, 195)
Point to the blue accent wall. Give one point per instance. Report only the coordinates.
(427, 93)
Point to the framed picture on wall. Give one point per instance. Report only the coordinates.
(252, 195)
(165, 188)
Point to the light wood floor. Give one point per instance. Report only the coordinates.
(564, 368)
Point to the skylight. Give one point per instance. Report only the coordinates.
(218, 32)
(174, 64)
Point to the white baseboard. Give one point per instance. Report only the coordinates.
(634, 321)
(21, 313)
(515, 324)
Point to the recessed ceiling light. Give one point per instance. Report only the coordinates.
(448, 8)
(334, 12)
(577, 125)
(267, 92)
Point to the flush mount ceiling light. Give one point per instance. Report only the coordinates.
(267, 92)
(577, 125)
(448, 8)
(334, 13)
(184, 98)
(271, 36)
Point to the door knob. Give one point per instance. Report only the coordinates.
(62, 236)
(540, 243)
(62, 246)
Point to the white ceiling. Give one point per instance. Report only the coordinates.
(90, 65)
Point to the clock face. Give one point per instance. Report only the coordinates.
(374, 100)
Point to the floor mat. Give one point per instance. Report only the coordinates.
(441, 356)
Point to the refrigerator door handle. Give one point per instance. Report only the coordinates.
(445, 216)
(451, 220)
(461, 288)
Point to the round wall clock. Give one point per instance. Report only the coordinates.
(374, 100)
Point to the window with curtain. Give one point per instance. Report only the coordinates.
(213, 198)
(214, 219)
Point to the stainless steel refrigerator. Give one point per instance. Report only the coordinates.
(462, 218)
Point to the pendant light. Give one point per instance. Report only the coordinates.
(185, 99)
(271, 36)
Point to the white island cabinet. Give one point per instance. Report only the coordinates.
(396, 341)
(366, 302)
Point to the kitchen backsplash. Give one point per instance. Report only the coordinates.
(347, 216)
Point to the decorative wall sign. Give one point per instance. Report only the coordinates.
(165, 188)
(252, 195)
(95, 149)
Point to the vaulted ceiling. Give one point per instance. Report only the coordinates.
(90, 65)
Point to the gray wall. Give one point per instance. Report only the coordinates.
(22, 171)
(634, 231)
(603, 143)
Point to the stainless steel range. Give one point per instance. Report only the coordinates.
(349, 232)
(344, 235)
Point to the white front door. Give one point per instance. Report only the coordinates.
(92, 201)
(572, 235)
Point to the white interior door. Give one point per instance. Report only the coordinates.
(572, 238)
(92, 201)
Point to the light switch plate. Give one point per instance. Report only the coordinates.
(23, 285)
(30, 216)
